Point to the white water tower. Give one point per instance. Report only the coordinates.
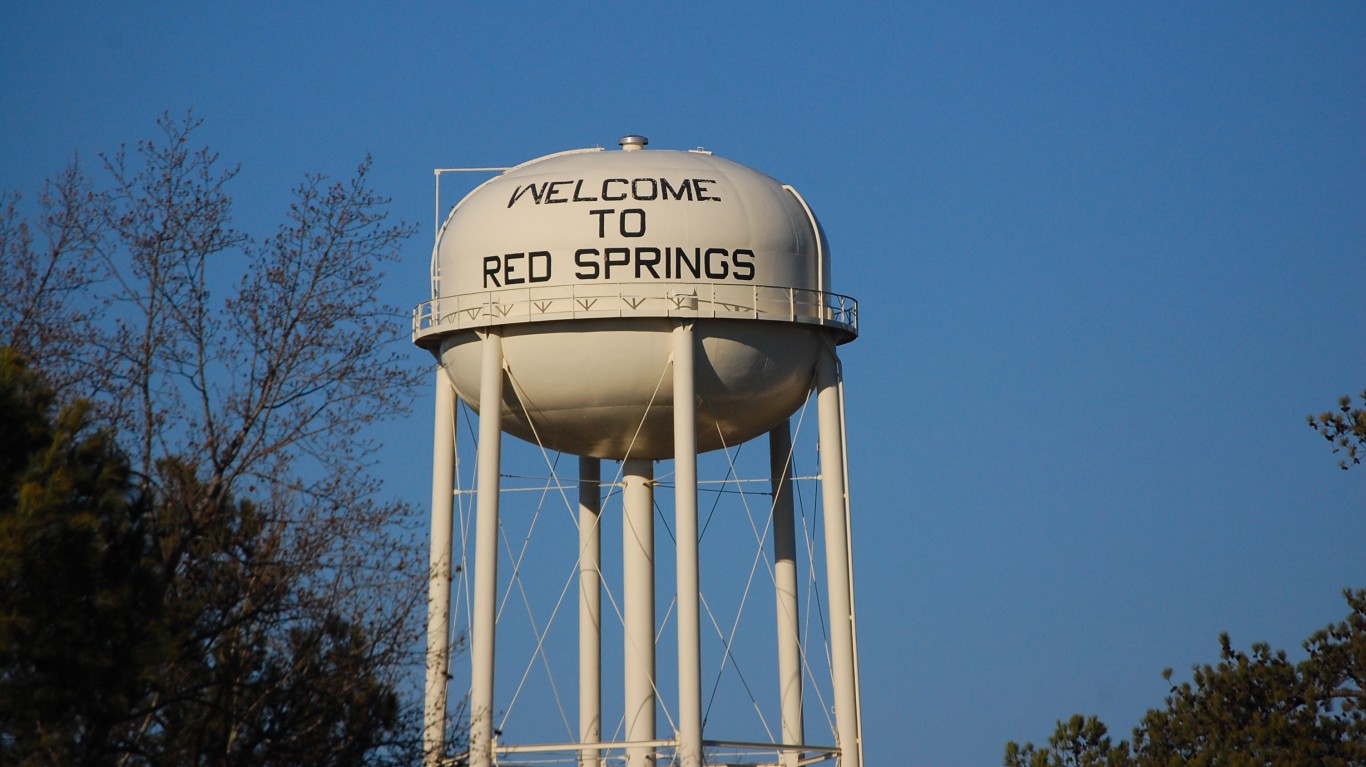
(638, 306)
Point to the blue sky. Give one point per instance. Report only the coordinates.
(1108, 257)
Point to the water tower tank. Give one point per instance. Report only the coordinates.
(585, 260)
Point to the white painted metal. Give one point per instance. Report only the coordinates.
(823, 275)
(482, 621)
(837, 564)
(849, 553)
(750, 374)
(439, 573)
(563, 290)
(574, 253)
(601, 299)
(689, 750)
(785, 588)
(638, 606)
(655, 198)
(590, 607)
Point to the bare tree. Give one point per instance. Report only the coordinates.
(47, 267)
(233, 367)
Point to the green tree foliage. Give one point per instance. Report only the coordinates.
(1078, 742)
(137, 630)
(1344, 429)
(77, 590)
(1250, 709)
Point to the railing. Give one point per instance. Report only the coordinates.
(510, 306)
(731, 753)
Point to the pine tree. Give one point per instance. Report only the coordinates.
(1253, 708)
(78, 589)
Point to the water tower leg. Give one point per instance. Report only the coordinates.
(689, 752)
(785, 585)
(837, 561)
(485, 600)
(638, 597)
(439, 573)
(590, 608)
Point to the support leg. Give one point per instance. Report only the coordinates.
(837, 561)
(785, 586)
(486, 551)
(685, 525)
(590, 608)
(439, 574)
(638, 596)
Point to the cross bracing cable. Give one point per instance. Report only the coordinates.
(733, 484)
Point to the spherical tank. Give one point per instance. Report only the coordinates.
(585, 262)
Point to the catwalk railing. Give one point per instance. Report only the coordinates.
(509, 306)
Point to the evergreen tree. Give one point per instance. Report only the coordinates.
(162, 629)
(1345, 429)
(78, 590)
(1250, 709)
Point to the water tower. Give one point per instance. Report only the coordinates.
(637, 306)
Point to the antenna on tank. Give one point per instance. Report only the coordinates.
(436, 216)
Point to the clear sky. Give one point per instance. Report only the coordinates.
(1108, 257)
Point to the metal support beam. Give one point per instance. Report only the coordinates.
(482, 622)
(638, 598)
(849, 542)
(838, 565)
(785, 588)
(590, 608)
(439, 573)
(689, 753)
